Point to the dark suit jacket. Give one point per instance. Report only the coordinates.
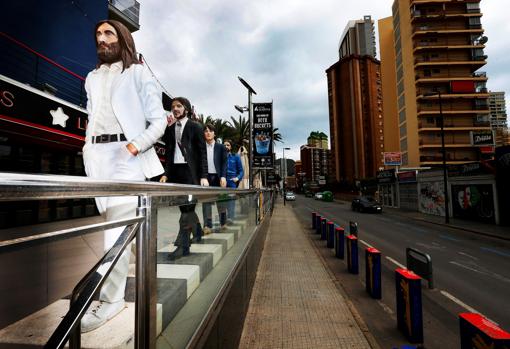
(220, 159)
(193, 144)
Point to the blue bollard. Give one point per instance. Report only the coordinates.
(352, 254)
(318, 220)
(409, 307)
(323, 228)
(314, 219)
(353, 228)
(476, 330)
(330, 236)
(373, 272)
(339, 242)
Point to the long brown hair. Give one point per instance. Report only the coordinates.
(126, 42)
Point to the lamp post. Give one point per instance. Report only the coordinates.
(443, 151)
(284, 167)
(250, 119)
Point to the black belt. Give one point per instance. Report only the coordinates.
(109, 138)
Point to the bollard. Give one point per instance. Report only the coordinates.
(373, 272)
(477, 331)
(314, 219)
(352, 254)
(409, 309)
(339, 242)
(353, 228)
(318, 218)
(323, 228)
(330, 235)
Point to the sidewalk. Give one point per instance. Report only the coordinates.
(295, 302)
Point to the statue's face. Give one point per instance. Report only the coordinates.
(108, 48)
(209, 135)
(178, 109)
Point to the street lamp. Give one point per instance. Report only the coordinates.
(284, 166)
(241, 109)
(443, 151)
(250, 119)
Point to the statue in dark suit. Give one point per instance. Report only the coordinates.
(186, 163)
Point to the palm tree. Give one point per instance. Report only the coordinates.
(277, 136)
(240, 130)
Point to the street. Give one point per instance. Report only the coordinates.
(471, 272)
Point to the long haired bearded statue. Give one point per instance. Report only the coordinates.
(123, 50)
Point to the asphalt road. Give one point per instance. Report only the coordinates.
(471, 272)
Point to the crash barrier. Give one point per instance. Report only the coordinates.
(339, 242)
(420, 263)
(373, 272)
(352, 254)
(314, 217)
(330, 235)
(323, 228)
(409, 306)
(353, 228)
(318, 220)
(477, 331)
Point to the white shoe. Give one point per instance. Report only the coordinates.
(97, 316)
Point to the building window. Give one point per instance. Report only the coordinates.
(401, 101)
(403, 131)
(403, 144)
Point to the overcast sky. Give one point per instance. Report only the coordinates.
(282, 48)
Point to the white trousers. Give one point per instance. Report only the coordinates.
(113, 161)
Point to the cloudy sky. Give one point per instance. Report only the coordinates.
(198, 48)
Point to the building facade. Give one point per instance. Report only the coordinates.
(358, 38)
(315, 166)
(439, 47)
(497, 107)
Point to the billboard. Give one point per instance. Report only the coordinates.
(482, 138)
(262, 135)
(392, 158)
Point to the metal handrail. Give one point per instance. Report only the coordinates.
(85, 290)
(15, 186)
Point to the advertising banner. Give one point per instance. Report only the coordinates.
(482, 138)
(473, 201)
(392, 158)
(262, 135)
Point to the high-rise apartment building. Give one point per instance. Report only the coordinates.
(315, 165)
(497, 107)
(358, 38)
(439, 47)
(318, 139)
(355, 106)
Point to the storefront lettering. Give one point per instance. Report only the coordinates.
(7, 99)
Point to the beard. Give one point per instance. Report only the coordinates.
(109, 53)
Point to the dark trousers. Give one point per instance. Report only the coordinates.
(214, 181)
(189, 221)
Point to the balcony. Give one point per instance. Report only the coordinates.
(422, 31)
(474, 62)
(424, 112)
(125, 11)
(425, 80)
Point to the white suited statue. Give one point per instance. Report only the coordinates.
(126, 118)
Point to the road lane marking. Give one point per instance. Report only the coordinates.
(385, 308)
(459, 302)
(395, 262)
(467, 255)
(483, 272)
(493, 250)
(366, 243)
(448, 237)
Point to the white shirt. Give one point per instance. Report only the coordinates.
(178, 157)
(210, 157)
(105, 120)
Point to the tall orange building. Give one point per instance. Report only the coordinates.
(355, 105)
(438, 48)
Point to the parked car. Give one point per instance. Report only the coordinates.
(309, 194)
(318, 196)
(366, 204)
(289, 196)
(327, 196)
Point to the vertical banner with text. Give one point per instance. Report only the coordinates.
(262, 135)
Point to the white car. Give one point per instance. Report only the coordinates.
(289, 196)
(318, 196)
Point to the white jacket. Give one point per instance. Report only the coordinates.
(136, 103)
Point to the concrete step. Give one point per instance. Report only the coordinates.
(35, 329)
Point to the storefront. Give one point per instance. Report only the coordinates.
(386, 186)
(407, 190)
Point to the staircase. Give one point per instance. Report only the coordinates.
(176, 282)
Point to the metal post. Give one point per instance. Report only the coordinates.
(445, 175)
(250, 119)
(145, 301)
